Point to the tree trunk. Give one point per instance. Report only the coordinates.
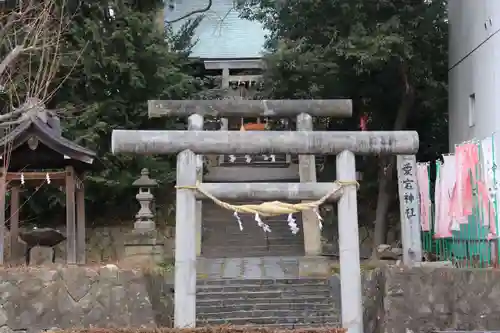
(387, 163)
(386, 170)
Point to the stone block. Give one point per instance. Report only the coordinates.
(41, 255)
(144, 249)
(314, 267)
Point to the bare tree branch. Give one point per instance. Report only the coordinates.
(30, 56)
(194, 12)
(30, 36)
(10, 57)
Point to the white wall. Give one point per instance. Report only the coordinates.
(473, 22)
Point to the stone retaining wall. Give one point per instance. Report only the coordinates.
(372, 298)
(103, 244)
(418, 300)
(36, 299)
(424, 300)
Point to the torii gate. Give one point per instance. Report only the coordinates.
(187, 144)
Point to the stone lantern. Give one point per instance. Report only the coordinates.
(144, 218)
(144, 245)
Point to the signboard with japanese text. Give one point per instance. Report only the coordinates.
(409, 203)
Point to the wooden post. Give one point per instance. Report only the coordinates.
(70, 216)
(195, 123)
(307, 172)
(409, 204)
(80, 223)
(14, 222)
(350, 270)
(3, 191)
(185, 242)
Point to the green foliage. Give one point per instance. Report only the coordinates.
(389, 56)
(126, 59)
(361, 50)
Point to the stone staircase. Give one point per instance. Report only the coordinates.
(280, 303)
(222, 238)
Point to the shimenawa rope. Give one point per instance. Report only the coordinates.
(272, 208)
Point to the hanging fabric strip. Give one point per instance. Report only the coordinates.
(467, 160)
(446, 186)
(425, 201)
(488, 167)
(442, 200)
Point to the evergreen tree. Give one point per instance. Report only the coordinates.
(389, 56)
(126, 59)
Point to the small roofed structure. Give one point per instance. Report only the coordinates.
(34, 152)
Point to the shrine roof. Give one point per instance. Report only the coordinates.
(40, 126)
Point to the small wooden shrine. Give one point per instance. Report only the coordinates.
(34, 153)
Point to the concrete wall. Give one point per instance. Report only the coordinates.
(474, 50)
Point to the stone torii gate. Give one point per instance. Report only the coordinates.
(187, 144)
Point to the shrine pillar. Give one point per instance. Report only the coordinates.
(307, 173)
(195, 123)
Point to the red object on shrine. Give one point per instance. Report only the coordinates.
(363, 122)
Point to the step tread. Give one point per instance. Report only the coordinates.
(262, 288)
(264, 246)
(262, 282)
(275, 320)
(303, 299)
(242, 296)
(235, 240)
(274, 286)
(290, 281)
(215, 309)
(299, 313)
(263, 292)
(326, 326)
(247, 292)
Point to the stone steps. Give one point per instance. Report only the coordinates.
(306, 321)
(218, 224)
(260, 241)
(252, 227)
(251, 251)
(227, 218)
(286, 305)
(265, 288)
(221, 236)
(280, 228)
(261, 282)
(280, 303)
(237, 239)
(230, 315)
(262, 294)
(325, 326)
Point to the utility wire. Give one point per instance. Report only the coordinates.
(473, 50)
